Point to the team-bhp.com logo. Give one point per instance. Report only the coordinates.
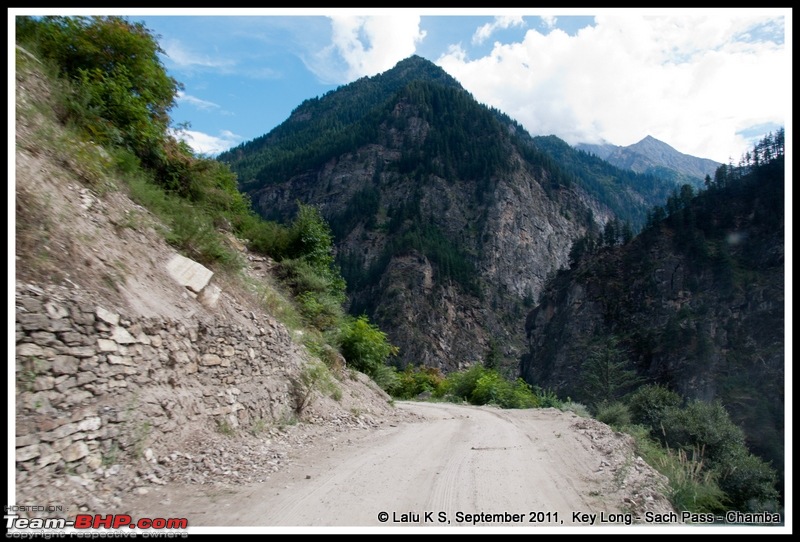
(93, 522)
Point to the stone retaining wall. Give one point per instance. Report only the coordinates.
(91, 383)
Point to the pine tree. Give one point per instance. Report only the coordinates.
(605, 373)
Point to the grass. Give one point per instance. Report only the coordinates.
(140, 434)
(35, 366)
(578, 409)
(258, 426)
(224, 427)
(112, 456)
(314, 377)
(691, 487)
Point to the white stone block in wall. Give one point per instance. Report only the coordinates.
(189, 273)
(75, 451)
(106, 345)
(120, 335)
(107, 316)
(28, 452)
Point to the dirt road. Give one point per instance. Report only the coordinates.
(459, 466)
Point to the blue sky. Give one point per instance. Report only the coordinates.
(706, 81)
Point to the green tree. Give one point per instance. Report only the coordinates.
(124, 92)
(605, 374)
(311, 242)
(627, 233)
(364, 346)
(307, 267)
(610, 233)
(493, 356)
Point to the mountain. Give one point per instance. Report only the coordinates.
(656, 158)
(448, 216)
(694, 303)
(629, 196)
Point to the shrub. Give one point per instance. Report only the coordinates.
(460, 385)
(416, 380)
(302, 277)
(649, 404)
(702, 424)
(692, 487)
(548, 398)
(490, 388)
(387, 378)
(315, 376)
(748, 481)
(615, 414)
(364, 346)
(519, 395)
(577, 408)
(319, 310)
(481, 386)
(264, 237)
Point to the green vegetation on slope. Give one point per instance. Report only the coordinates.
(693, 304)
(477, 385)
(115, 95)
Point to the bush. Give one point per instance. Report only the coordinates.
(481, 386)
(519, 395)
(387, 379)
(416, 380)
(692, 487)
(577, 408)
(548, 398)
(748, 481)
(705, 425)
(460, 385)
(649, 404)
(320, 310)
(489, 388)
(615, 414)
(302, 277)
(313, 377)
(264, 237)
(364, 346)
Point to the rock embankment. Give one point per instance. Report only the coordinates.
(107, 403)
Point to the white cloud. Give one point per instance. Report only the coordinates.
(183, 58)
(204, 105)
(206, 144)
(549, 21)
(365, 46)
(685, 80)
(484, 32)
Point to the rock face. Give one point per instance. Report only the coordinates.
(500, 252)
(447, 219)
(696, 303)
